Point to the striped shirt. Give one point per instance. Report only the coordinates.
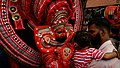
(82, 58)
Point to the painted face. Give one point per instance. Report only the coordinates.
(61, 35)
(95, 33)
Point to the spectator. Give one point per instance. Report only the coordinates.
(99, 28)
(84, 53)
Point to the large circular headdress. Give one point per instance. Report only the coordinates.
(14, 14)
(49, 12)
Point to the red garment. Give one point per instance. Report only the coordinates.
(13, 64)
(54, 54)
(82, 58)
(60, 58)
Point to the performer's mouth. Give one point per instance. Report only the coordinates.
(61, 39)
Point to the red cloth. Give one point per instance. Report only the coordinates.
(13, 64)
(58, 59)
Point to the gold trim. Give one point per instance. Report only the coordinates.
(15, 16)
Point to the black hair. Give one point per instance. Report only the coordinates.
(115, 30)
(100, 22)
(82, 38)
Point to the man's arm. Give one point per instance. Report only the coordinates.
(111, 55)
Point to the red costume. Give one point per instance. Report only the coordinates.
(53, 41)
(39, 14)
(54, 54)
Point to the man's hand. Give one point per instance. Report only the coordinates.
(119, 51)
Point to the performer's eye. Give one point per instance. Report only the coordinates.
(59, 32)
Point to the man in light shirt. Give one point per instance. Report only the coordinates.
(100, 30)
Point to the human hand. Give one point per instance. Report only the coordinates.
(119, 51)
